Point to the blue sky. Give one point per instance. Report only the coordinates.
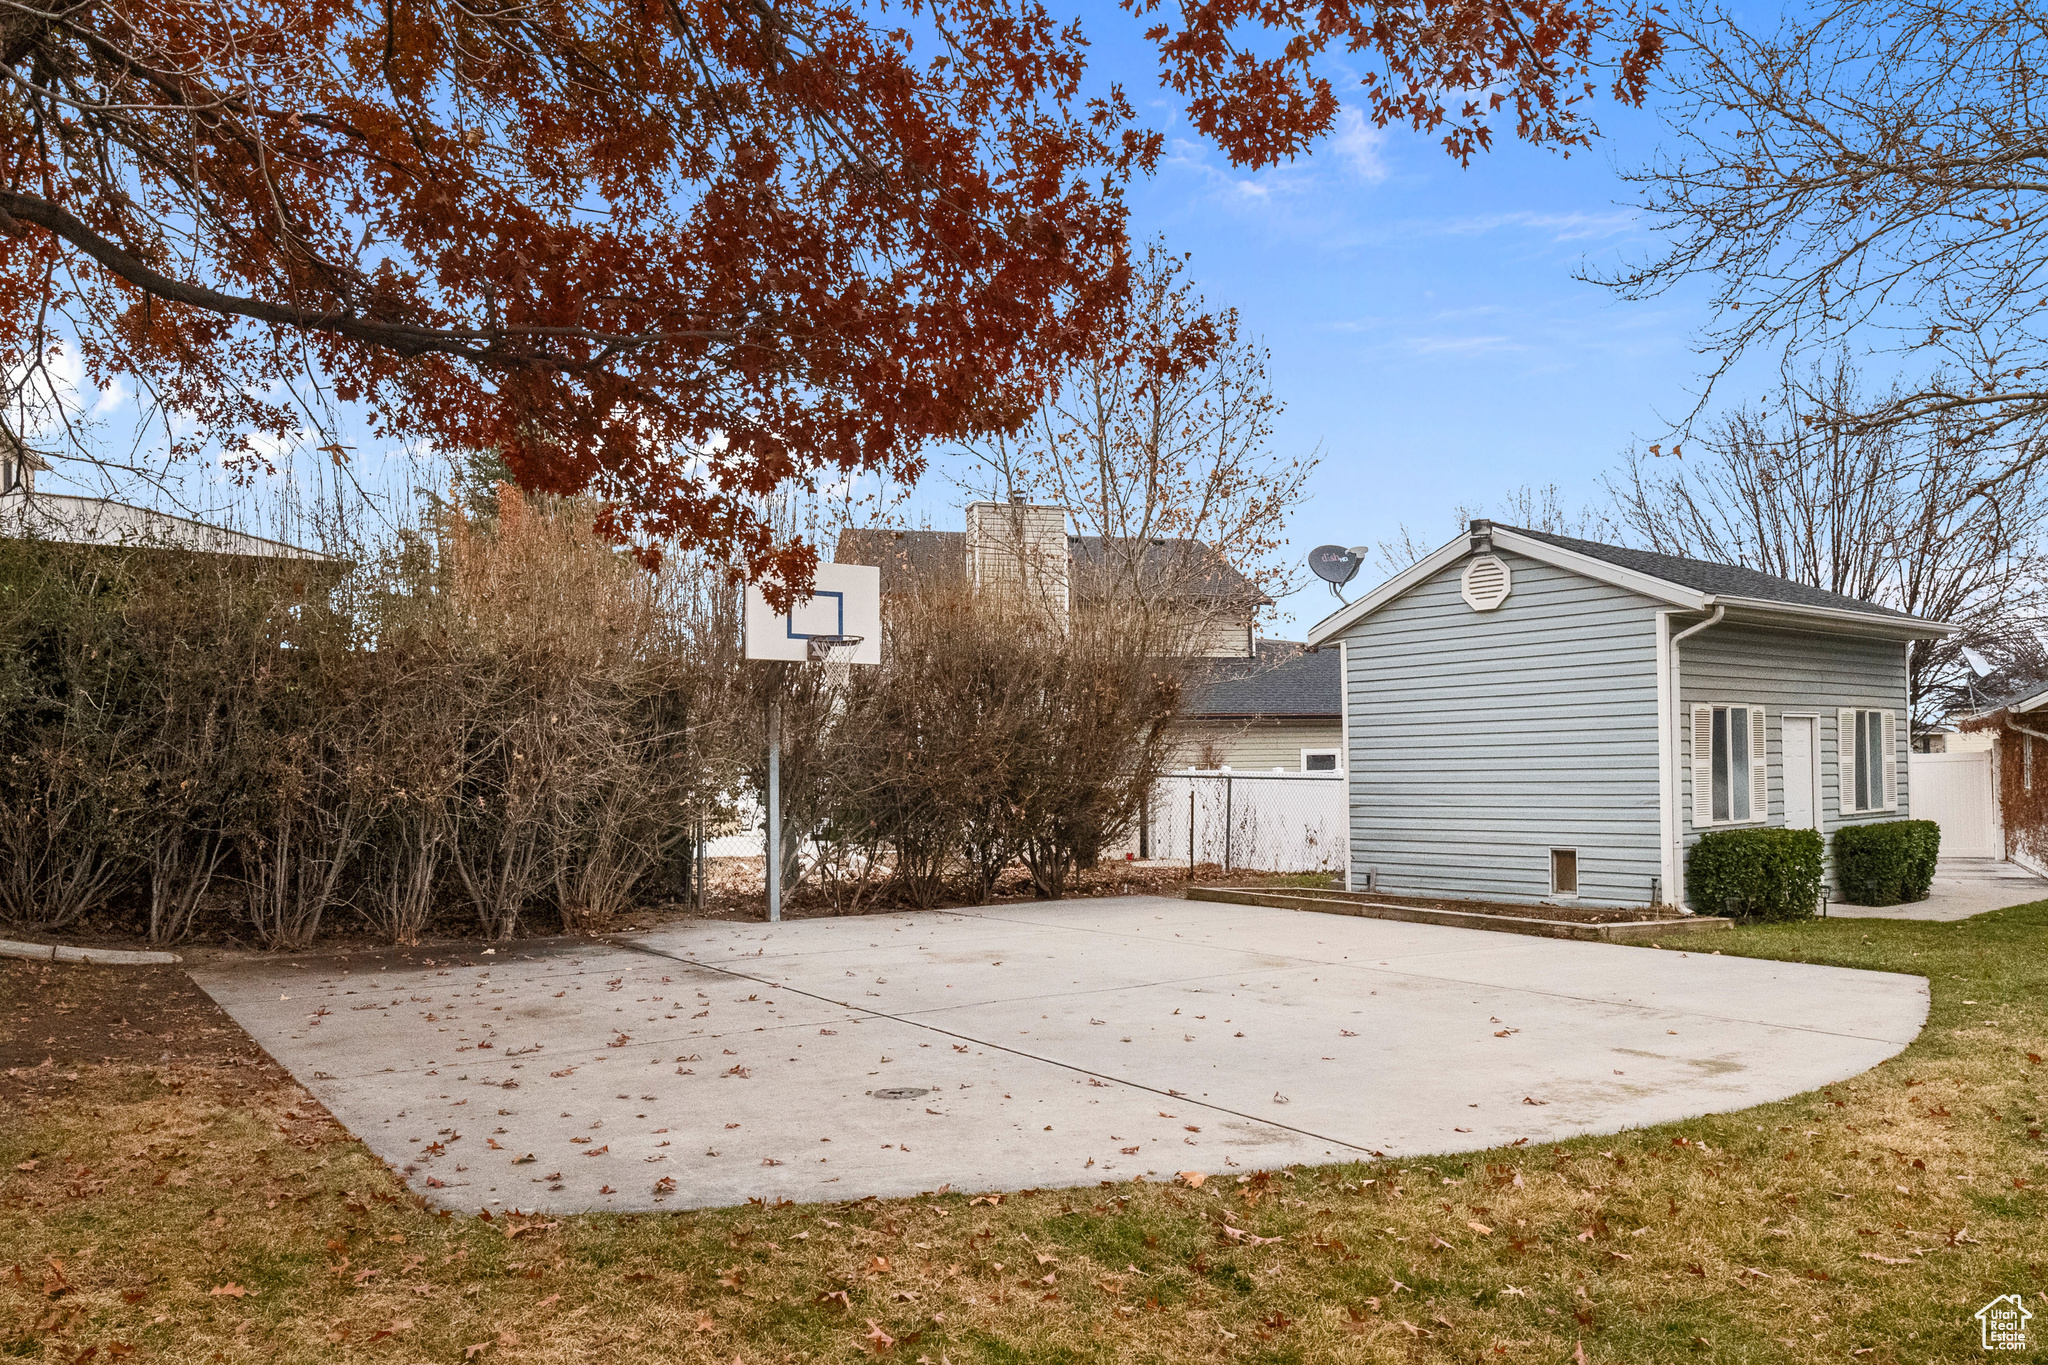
(1427, 334)
(1426, 329)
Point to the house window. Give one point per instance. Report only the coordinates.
(1729, 767)
(1319, 760)
(2026, 762)
(1564, 872)
(1868, 757)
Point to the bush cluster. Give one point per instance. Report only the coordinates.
(504, 723)
(1771, 874)
(1887, 863)
(494, 720)
(994, 732)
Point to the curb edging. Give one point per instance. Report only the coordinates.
(1640, 931)
(111, 957)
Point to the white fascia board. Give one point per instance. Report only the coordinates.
(1647, 585)
(1352, 613)
(1670, 594)
(1599, 570)
(1767, 611)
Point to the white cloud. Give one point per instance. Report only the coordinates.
(1359, 145)
(1562, 227)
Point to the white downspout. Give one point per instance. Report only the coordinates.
(1677, 892)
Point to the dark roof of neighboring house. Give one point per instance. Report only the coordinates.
(1286, 679)
(913, 556)
(2016, 701)
(1722, 580)
(904, 557)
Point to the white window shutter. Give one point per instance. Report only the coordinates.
(1891, 760)
(1702, 766)
(1759, 768)
(1845, 761)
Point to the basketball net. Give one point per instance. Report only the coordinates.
(832, 649)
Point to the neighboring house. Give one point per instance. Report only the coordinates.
(1532, 717)
(1011, 545)
(1282, 710)
(2015, 730)
(67, 519)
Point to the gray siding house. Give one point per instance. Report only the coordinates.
(1530, 717)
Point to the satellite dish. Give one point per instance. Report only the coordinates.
(1335, 565)
(1977, 662)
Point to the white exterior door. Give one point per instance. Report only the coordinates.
(1801, 808)
(1956, 792)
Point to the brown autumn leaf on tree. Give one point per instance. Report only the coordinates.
(674, 255)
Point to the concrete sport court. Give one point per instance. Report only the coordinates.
(1025, 1045)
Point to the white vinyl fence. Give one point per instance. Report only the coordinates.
(1271, 822)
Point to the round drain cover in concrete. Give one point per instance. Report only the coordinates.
(899, 1092)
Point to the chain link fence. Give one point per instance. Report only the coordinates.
(1268, 822)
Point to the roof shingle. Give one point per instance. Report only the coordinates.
(1285, 680)
(1721, 580)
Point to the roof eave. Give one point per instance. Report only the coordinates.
(1881, 625)
(1542, 552)
(1603, 571)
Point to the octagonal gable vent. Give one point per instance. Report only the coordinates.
(1486, 583)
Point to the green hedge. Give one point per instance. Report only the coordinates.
(1890, 863)
(1773, 873)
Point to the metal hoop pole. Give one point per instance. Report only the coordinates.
(774, 812)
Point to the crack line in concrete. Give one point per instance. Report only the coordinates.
(1000, 1047)
(1388, 970)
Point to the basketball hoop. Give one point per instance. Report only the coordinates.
(831, 649)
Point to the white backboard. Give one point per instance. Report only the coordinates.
(846, 600)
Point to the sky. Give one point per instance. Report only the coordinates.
(1428, 336)
(1429, 340)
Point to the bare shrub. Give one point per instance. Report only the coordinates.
(70, 779)
(994, 729)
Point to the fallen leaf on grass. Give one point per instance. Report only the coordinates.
(234, 1291)
(1480, 1228)
(1193, 1179)
(1248, 1239)
(878, 1340)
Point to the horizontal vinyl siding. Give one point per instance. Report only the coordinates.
(1799, 671)
(1255, 745)
(1482, 740)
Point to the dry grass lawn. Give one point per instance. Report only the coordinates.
(204, 1209)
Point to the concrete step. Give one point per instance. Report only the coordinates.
(1364, 906)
